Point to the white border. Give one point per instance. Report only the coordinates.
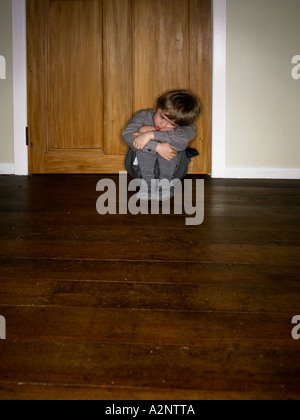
(219, 89)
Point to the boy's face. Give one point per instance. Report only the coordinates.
(162, 122)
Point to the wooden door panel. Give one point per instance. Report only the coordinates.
(201, 80)
(75, 75)
(117, 66)
(93, 63)
(36, 86)
(161, 46)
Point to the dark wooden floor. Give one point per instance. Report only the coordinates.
(144, 307)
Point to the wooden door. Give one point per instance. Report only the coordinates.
(93, 63)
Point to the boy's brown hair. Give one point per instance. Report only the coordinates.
(180, 106)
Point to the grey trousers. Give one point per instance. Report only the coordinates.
(148, 162)
(163, 169)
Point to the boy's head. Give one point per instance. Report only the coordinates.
(179, 107)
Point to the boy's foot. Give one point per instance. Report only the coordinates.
(166, 190)
(148, 192)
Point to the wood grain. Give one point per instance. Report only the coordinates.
(201, 81)
(93, 63)
(117, 63)
(75, 76)
(161, 45)
(144, 307)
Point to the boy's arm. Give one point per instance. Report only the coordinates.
(179, 138)
(139, 120)
(165, 150)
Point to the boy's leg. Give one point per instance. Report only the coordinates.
(133, 169)
(147, 164)
(183, 166)
(167, 170)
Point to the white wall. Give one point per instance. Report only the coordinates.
(6, 85)
(262, 115)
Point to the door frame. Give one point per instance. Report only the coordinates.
(218, 87)
(19, 86)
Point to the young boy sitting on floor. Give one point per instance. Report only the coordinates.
(156, 140)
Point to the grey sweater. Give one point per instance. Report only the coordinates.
(179, 138)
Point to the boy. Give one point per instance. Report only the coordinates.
(156, 140)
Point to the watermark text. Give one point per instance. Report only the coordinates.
(2, 68)
(2, 328)
(188, 199)
(296, 68)
(296, 329)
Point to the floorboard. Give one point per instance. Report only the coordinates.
(144, 307)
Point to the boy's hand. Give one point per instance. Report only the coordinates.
(142, 140)
(166, 151)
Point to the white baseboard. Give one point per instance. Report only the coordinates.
(261, 173)
(233, 172)
(7, 169)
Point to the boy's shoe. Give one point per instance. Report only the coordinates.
(147, 192)
(154, 193)
(166, 190)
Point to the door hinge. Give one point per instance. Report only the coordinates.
(27, 137)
